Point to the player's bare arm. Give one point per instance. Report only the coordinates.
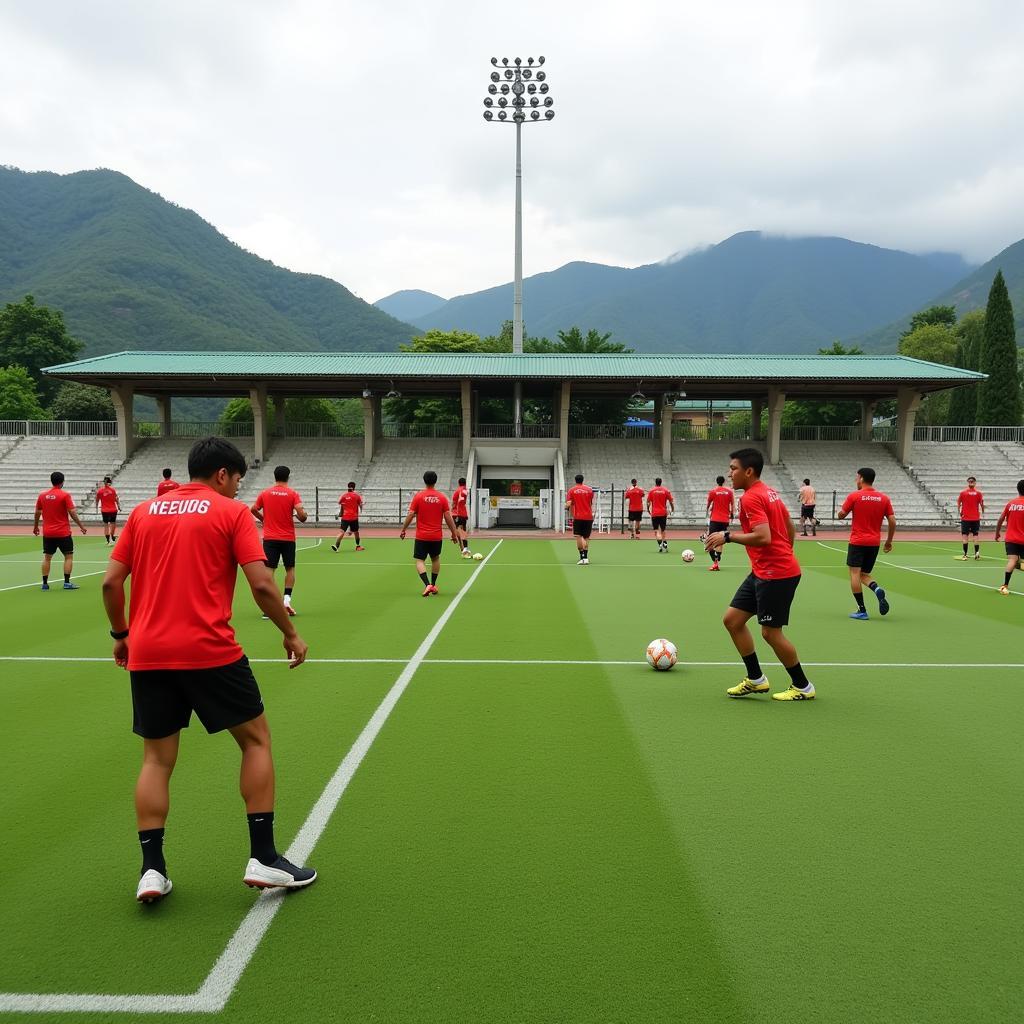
(999, 524)
(257, 512)
(268, 598)
(78, 522)
(408, 522)
(300, 513)
(759, 537)
(113, 604)
(891, 522)
(790, 531)
(35, 522)
(450, 523)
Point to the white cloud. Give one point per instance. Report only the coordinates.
(347, 139)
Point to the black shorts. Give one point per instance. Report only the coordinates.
(970, 526)
(1014, 549)
(807, 511)
(163, 699)
(659, 522)
(461, 521)
(717, 527)
(582, 527)
(636, 517)
(861, 556)
(65, 545)
(276, 551)
(109, 517)
(350, 526)
(769, 600)
(424, 549)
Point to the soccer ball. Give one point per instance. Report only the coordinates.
(478, 556)
(688, 555)
(661, 654)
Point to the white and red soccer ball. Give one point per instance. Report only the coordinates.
(688, 555)
(662, 654)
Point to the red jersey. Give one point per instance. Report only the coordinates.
(970, 503)
(1014, 521)
(167, 485)
(658, 498)
(459, 499)
(430, 506)
(720, 501)
(277, 504)
(581, 498)
(351, 502)
(760, 504)
(869, 507)
(635, 497)
(183, 554)
(107, 497)
(55, 505)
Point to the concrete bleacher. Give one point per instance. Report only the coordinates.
(137, 479)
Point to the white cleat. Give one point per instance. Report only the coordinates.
(152, 887)
(282, 874)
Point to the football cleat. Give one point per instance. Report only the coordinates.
(290, 610)
(862, 616)
(359, 547)
(714, 567)
(794, 694)
(45, 586)
(433, 589)
(1004, 589)
(334, 548)
(282, 874)
(977, 557)
(427, 590)
(745, 688)
(152, 887)
(883, 605)
(70, 586)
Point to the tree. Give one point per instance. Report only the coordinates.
(443, 341)
(999, 398)
(296, 410)
(19, 399)
(944, 316)
(33, 337)
(75, 401)
(574, 340)
(935, 343)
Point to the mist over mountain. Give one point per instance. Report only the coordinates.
(410, 303)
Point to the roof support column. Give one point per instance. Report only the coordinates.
(667, 408)
(258, 401)
(279, 411)
(776, 403)
(123, 397)
(908, 401)
(466, 390)
(867, 417)
(756, 408)
(517, 407)
(371, 425)
(563, 418)
(163, 414)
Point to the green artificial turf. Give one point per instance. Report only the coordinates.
(546, 842)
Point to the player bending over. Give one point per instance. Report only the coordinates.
(1013, 516)
(350, 502)
(869, 508)
(53, 507)
(429, 508)
(460, 513)
(274, 508)
(633, 498)
(579, 502)
(109, 505)
(182, 552)
(720, 511)
(659, 503)
(767, 534)
(970, 505)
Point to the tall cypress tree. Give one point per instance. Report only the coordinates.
(999, 401)
(962, 402)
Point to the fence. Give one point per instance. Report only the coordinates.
(58, 428)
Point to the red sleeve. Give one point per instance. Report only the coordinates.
(245, 539)
(69, 502)
(444, 504)
(298, 499)
(123, 548)
(888, 509)
(755, 510)
(708, 501)
(848, 504)
(414, 504)
(259, 501)
(39, 503)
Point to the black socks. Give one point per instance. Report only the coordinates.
(873, 586)
(288, 591)
(753, 666)
(67, 577)
(796, 674)
(433, 577)
(152, 842)
(425, 578)
(261, 837)
(859, 598)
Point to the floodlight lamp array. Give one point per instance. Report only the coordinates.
(518, 93)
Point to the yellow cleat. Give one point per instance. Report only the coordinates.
(794, 694)
(746, 688)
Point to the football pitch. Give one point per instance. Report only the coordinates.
(516, 819)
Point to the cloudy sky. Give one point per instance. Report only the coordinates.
(347, 139)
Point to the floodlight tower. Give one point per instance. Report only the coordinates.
(520, 88)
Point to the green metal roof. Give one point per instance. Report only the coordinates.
(279, 366)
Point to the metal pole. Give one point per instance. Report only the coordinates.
(517, 302)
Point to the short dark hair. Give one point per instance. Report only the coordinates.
(749, 458)
(430, 478)
(579, 478)
(56, 478)
(867, 474)
(807, 479)
(972, 479)
(351, 485)
(1020, 486)
(657, 481)
(167, 473)
(719, 480)
(462, 481)
(633, 481)
(210, 454)
(281, 474)
(106, 479)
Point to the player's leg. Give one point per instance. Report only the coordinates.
(867, 580)
(421, 571)
(1012, 562)
(857, 589)
(774, 600)
(964, 537)
(44, 569)
(735, 621)
(69, 564)
(152, 803)
(354, 530)
(336, 546)
(976, 532)
(289, 586)
(435, 571)
(787, 655)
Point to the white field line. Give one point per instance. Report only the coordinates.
(215, 991)
(53, 586)
(936, 547)
(935, 575)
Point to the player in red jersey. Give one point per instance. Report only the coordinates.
(633, 499)
(869, 508)
(720, 511)
(182, 552)
(460, 513)
(167, 484)
(108, 504)
(970, 506)
(659, 503)
(1013, 516)
(579, 502)
(274, 508)
(767, 534)
(350, 503)
(429, 508)
(53, 507)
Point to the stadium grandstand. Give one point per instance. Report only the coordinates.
(518, 469)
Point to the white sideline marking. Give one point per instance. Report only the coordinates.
(53, 586)
(935, 575)
(215, 991)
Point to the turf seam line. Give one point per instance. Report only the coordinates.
(226, 972)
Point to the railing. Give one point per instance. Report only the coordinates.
(317, 430)
(58, 428)
(422, 430)
(970, 435)
(496, 430)
(608, 431)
